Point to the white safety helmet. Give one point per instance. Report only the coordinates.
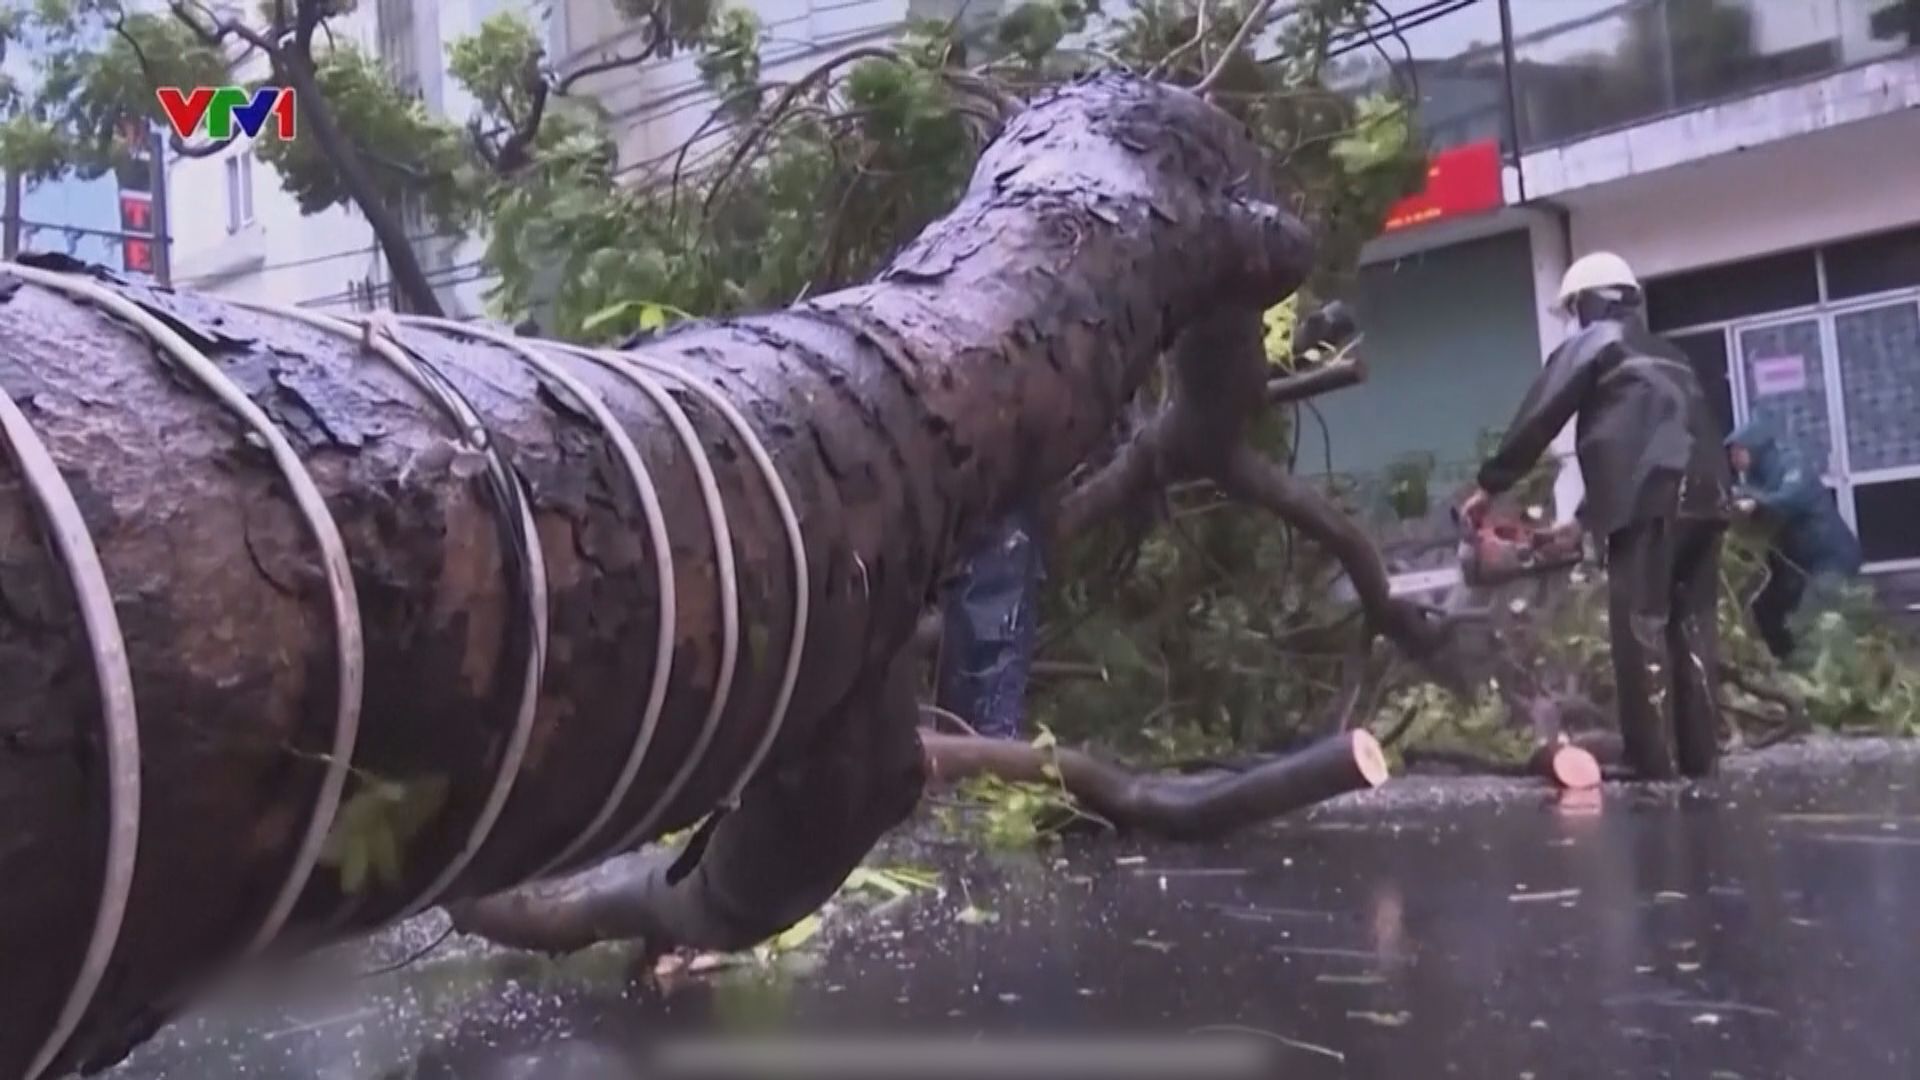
(1600, 270)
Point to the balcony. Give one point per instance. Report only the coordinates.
(1546, 74)
(1578, 74)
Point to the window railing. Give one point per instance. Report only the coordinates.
(1540, 73)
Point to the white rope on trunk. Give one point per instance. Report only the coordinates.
(349, 645)
(474, 435)
(658, 541)
(121, 727)
(722, 532)
(796, 545)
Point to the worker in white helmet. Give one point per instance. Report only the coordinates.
(1657, 487)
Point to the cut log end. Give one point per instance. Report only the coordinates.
(1570, 767)
(1370, 759)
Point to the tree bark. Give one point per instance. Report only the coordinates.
(902, 416)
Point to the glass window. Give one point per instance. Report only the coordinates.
(239, 191)
(1585, 66)
(1708, 352)
(1719, 293)
(1575, 70)
(1879, 354)
(1785, 385)
(1451, 51)
(1889, 517)
(1873, 264)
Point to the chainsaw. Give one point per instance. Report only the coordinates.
(1497, 551)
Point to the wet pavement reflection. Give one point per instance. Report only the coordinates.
(1764, 925)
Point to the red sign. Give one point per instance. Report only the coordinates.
(1461, 181)
(137, 255)
(136, 212)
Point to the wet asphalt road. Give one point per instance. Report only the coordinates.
(1764, 926)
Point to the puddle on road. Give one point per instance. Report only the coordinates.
(1669, 931)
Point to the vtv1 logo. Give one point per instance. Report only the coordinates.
(221, 109)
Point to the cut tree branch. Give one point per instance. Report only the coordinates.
(1264, 483)
(1197, 41)
(1178, 806)
(1254, 20)
(1314, 381)
(564, 86)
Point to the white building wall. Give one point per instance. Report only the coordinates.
(281, 256)
(654, 108)
(1839, 183)
(286, 257)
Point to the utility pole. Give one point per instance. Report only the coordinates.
(10, 229)
(162, 224)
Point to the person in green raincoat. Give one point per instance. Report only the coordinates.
(1809, 541)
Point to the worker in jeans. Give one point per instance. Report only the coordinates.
(992, 622)
(1656, 490)
(1810, 541)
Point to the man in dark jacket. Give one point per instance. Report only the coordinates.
(1656, 489)
(1810, 539)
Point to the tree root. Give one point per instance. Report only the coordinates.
(1176, 806)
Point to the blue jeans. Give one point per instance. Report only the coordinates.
(991, 629)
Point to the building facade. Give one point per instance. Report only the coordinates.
(657, 107)
(237, 232)
(1752, 159)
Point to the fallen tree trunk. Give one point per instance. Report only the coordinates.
(407, 594)
(1179, 806)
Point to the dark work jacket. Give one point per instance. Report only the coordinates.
(1648, 443)
(1813, 535)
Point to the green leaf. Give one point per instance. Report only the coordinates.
(895, 883)
(373, 827)
(383, 855)
(797, 935)
(353, 868)
(1277, 323)
(640, 314)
